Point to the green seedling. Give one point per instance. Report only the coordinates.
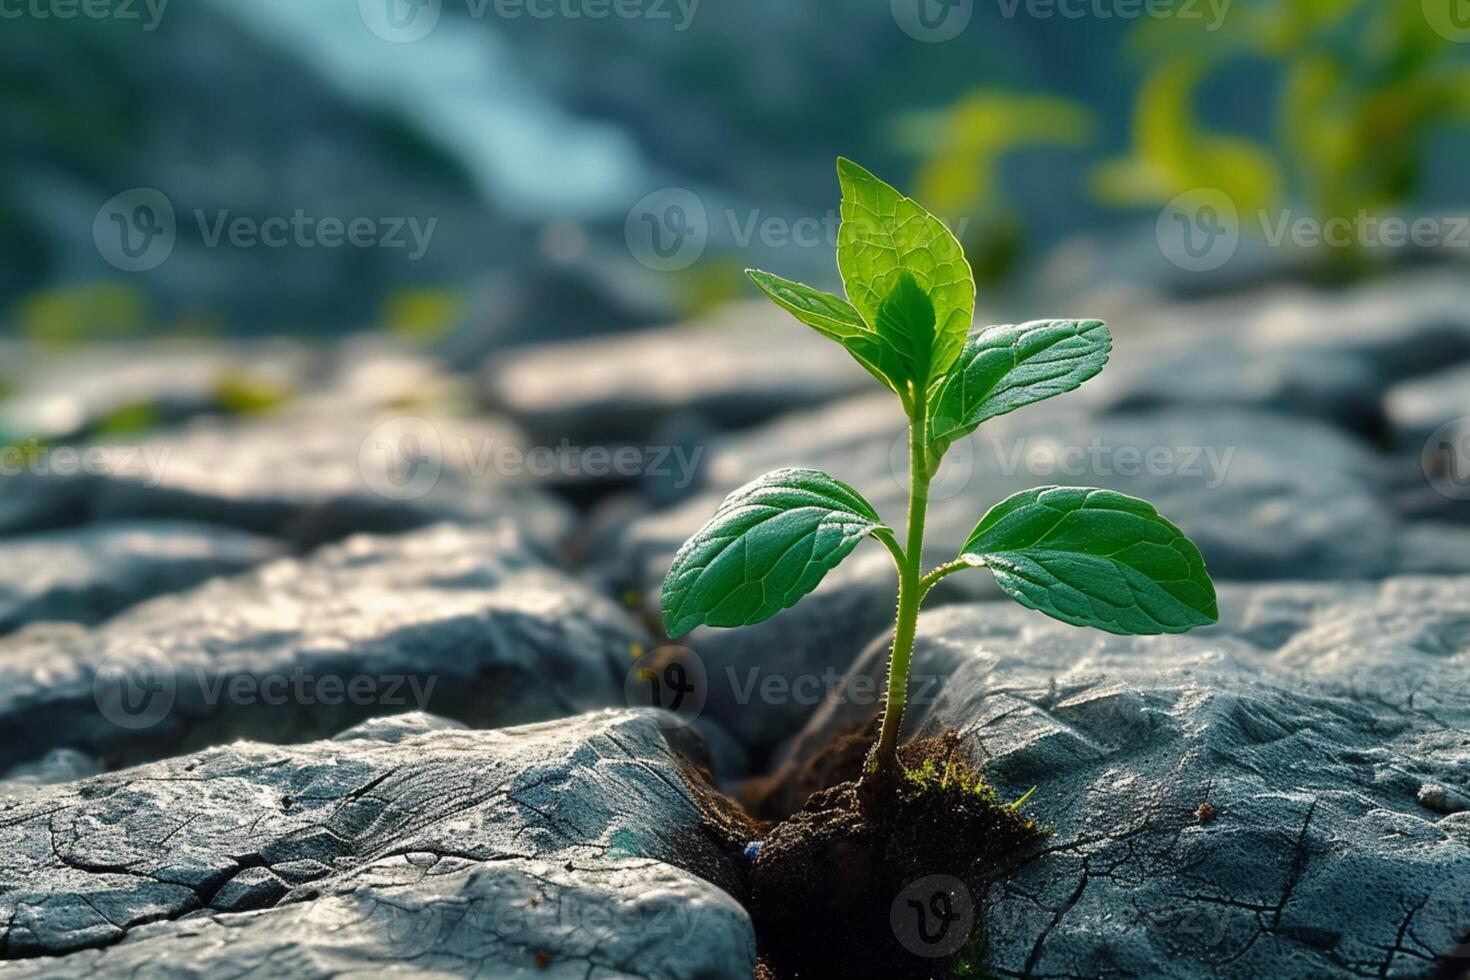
(1087, 557)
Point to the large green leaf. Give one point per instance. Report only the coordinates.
(1094, 558)
(1003, 368)
(833, 317)
(885, 234)
(768, 545)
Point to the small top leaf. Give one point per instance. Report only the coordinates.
(1003, 368)
(1094, 558)
(768, 545)
(884, 234)
(906, 324)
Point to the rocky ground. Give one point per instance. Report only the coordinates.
(353, 678)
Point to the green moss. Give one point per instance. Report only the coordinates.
(128, 420)
(959, 778)
(237, 393)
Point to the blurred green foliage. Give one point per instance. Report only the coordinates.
(67, 315)
(961, 149)
(1359, 89)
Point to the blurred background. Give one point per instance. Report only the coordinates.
(251, 232)
(503, 157)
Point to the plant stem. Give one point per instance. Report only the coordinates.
(910, 593)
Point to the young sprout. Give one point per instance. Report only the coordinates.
(1086, 557)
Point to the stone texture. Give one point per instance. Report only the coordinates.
(1330, 355)
(1309, 721)
(143, 384)
(749, 363)
(86, 574)
(467, 622)
(560, 850)
(312, 474)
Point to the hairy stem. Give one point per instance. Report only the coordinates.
(911, 590)
(949, 568)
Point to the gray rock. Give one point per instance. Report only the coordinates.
(310, 475)
(141, 384)
(1309, 721)
(86, 574)
(560, 850)
(750, 364)
(1328, 355)
(468, 622)
(1416, 408)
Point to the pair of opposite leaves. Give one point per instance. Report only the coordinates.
(1087, 557)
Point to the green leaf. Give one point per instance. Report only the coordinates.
(1003, 368)
(885, 234)
(906, 324)
(768, 545)
(1094, 558)
(831, 316)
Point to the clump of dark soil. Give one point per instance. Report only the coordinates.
(889, 889)
(886, 885)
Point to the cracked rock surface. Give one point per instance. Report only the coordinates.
(86, 574)
(466, 622)
(1323, 730)
(557, 850)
